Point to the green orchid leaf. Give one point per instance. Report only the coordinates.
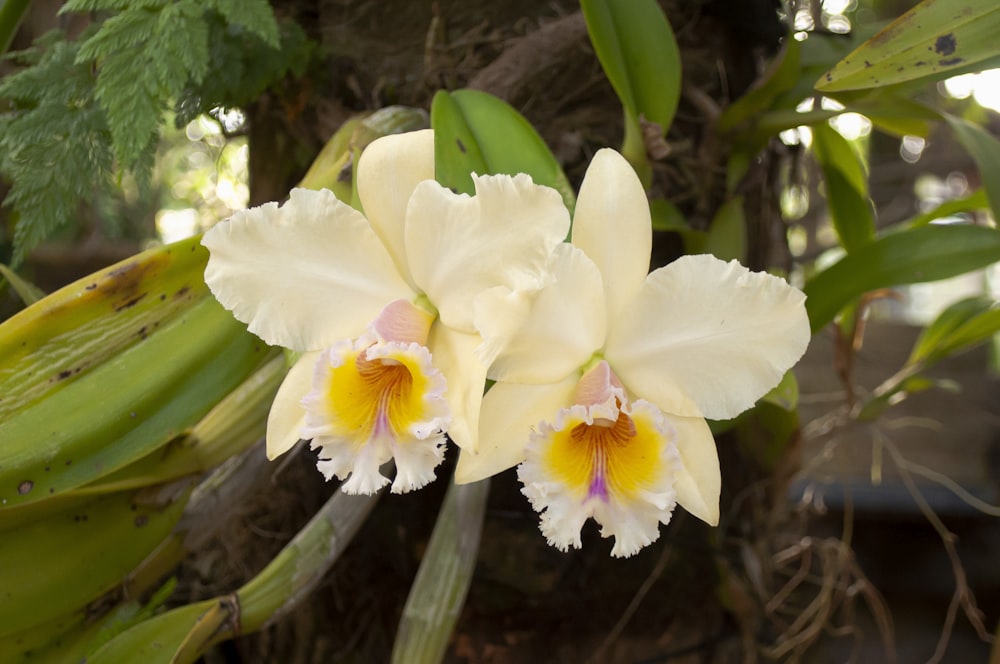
(667, 217)
(935, 39)
(27, 291)
(984, 148)
(475, 132)
(846, 187)
(974, 201)
(914, 256)
(785, 394)
(11, 14)
(961, 326)
(183, 634)
(727, 236)
(636, 47)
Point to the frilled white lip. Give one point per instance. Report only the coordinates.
(602, 458)
(697, 338)
(374, 401)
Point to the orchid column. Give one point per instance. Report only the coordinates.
(381, 305)
(605, 379)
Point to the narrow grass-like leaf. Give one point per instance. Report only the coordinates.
(27, 291)
(974, 201)
(781, 75)
(984, 148)
(959, 327)
(907, 257)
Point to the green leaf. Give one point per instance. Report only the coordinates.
(11, 14)
(53, 141)
(254, 15)
(961, 326)
(781, 75)
(475, 132)
(974, 201)
(109, 536)
(727, 236)
(636, 47)
(984, 148)
(145, 58)
(907, 257)
(932, 40)
(27, 291)
(666, 216)
(183, 634)
(846, 187)
(785, 394)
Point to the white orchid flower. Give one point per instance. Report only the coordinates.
(381, 305)
(604, 384)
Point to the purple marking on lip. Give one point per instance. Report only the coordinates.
(598, 484)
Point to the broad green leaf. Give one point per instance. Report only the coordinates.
(727, 236)
(475, 132)
(907, 257)
(636, 47)
(962, 325)
(666, 216)
(934, 39)
(108, 537)
(182, 635)
(984, 148)
(846, 187)
(974, 201)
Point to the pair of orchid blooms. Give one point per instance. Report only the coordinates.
(604, 374)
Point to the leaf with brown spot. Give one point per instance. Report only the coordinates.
(962, 33)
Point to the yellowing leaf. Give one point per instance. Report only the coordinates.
(936, 38)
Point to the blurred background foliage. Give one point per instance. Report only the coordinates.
(874, 186)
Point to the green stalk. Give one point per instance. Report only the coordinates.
(445, 574)
(300, 565)
(183, 634)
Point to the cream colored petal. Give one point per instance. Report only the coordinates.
(388, 171)
(698, 481)
(612, 225)
(560, 331)
(303, 275)
(509, 413)
(459, 246)
(287, 415)
(710, 334)
(454, 355)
